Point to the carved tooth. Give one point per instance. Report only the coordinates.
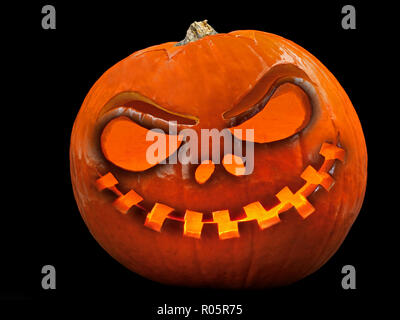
(265, 219)
(303, 207)
(226, 228)
(127, 201)
(315, 177)
(157, 216)
(105, 182)
(332, 152)
(193, 224)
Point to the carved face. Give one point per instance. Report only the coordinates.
(304, 191)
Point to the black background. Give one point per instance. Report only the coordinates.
(52, 71)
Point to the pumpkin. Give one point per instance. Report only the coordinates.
(205, 225)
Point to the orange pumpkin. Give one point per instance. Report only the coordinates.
(202, 225)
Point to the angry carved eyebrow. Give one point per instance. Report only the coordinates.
(145, 112)
(257, 98)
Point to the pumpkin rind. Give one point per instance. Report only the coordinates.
(206, 78)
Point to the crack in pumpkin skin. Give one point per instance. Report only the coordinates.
(227, 228)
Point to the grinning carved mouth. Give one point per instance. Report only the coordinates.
(227, 228)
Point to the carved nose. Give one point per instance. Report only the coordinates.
(232, 163)
(204, 171)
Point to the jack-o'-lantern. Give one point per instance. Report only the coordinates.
(210, 224)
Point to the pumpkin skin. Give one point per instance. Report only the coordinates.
(205, 79)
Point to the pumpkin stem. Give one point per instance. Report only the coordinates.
(196, 31)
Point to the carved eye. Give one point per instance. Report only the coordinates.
(278, 115)
(123, 139)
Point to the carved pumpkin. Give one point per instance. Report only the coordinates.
(204, 225)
